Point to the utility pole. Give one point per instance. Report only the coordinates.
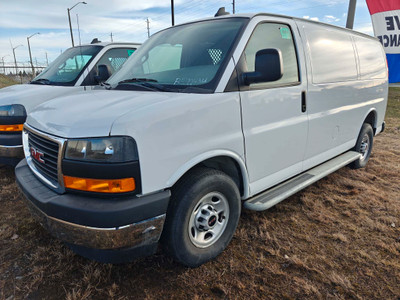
(148, 27)
(233, 7)
(47, 60)
(351, 13)
(15, 59)
(172, 13)
(69, 20)
(111, 35)
(30, 53)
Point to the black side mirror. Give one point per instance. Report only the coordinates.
(103, 73)
(268, 67)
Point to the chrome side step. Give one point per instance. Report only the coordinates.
(282, 191)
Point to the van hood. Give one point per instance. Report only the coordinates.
(91, 114)
(30, 95)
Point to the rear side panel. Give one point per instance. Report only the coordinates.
(341, 91)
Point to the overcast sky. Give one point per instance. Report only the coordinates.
(126, 19)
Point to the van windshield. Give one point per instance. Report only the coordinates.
(185, 58)
(66, 69)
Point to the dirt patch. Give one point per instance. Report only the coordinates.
(337, 239)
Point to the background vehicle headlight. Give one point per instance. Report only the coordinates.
(107, 149)
(14, 110)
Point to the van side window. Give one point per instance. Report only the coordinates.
(273, 35)
(113, 59)
(326, 46)
(371, 58)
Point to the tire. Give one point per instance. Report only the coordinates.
(202, 216)
(364, 146)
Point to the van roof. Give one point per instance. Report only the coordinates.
(110, 43)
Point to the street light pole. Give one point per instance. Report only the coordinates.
(30, 53)
(69, 20)
(15, 59)
(351, 13)
(2, 59)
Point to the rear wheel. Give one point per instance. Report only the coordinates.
(202, 217)
(363, 146)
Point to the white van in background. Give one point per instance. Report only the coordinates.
(76, 69)
(207, 116)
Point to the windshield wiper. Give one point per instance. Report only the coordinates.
(133, 80)
(41, 81)
(146, 82)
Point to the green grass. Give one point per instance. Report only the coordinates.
(393, 108)
(6, 81)
(392, 117)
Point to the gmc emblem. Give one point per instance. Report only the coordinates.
(37, 155)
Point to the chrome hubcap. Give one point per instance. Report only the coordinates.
(364, 147)
(208, 219)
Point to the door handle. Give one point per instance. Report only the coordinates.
(303, 101)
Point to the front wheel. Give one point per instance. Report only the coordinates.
(363, 146)
(202, 217)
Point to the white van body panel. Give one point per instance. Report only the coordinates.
(337, 105)
(174, 124)
(155, 120)
(274, 127)
(211, 154)
(96, 114)
(31, 95)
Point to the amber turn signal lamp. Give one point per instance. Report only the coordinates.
(10, 128)
(100, 185)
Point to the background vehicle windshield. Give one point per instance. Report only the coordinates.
(184, 56)
(65, 70)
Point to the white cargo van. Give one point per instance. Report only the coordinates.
(206, 117)
(77, 69)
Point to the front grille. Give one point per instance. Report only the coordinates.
(49, 148)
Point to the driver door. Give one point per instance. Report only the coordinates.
(275, 124)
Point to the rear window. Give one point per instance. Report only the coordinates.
(332, 55)
(371, 58)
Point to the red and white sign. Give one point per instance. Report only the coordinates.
(385, 15)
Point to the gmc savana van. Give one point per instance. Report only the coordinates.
(77, 69)
(206, 117)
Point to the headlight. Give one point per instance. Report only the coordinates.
(108, 149)
(14, 110)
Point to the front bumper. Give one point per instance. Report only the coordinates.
(11, 151)
(95, 223)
